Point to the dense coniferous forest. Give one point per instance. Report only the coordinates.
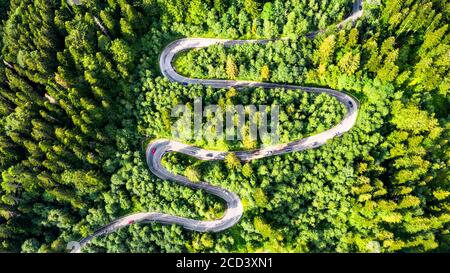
(81, 96)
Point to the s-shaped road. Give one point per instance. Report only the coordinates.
(157, 149)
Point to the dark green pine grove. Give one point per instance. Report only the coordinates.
(81, 95)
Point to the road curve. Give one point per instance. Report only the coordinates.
(157, 149)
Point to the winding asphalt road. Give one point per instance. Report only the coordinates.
(157, 149)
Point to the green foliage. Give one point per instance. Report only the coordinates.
(231, 68)
(298, 113)
(232, 161)
(251, 18)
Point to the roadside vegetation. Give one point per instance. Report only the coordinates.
(301, 114)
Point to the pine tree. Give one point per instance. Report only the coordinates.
(231, 68)
(232, 161)
(265, 73)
